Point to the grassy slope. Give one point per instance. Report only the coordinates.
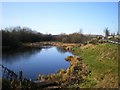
(102, 59)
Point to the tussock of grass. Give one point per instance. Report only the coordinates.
(72, 76)
(102, 59)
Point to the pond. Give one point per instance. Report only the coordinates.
(32, 62)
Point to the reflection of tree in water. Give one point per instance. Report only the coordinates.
(46, 47)
(61, 50)
(16, 54)
(0, 54)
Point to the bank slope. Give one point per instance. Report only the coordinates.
(102, 59)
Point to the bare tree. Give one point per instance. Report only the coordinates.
(107, 32)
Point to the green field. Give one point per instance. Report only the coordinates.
(102, 59)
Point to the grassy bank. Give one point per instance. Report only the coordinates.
(102, 59)
(93, 66)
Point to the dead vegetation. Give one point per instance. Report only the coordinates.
(73, 75)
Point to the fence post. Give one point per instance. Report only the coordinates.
(20, 79)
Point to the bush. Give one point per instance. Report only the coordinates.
(69, 58)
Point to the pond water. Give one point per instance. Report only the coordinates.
(32, 62)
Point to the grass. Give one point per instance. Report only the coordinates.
(102, 59)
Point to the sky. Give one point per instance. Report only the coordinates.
(62, 17)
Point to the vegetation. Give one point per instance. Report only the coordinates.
(72, 38)
(98, 67)
(15, 85)
(107, 32)
(102, 60)
(72, 76)
(16, 36)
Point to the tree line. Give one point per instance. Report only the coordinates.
(107, 32)
(16, 36)
(72, 38)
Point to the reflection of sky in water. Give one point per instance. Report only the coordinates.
(36, 61)
(0, 63)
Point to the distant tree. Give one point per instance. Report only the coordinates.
(76, 38)
(15, 36)
(10, 39)
(60, 37)
(107, 32)
(113, 34)
(66, 39)
(118, 33)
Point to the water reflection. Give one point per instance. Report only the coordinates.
(12, 55)
(0, 55)
(32, 62)
(61, 50)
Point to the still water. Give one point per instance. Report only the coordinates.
(45, 60)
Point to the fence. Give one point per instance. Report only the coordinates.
(12, 76)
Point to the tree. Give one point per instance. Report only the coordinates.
(107, 32)
(118, 33)
(66, 39)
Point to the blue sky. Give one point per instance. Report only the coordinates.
(58, 17)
